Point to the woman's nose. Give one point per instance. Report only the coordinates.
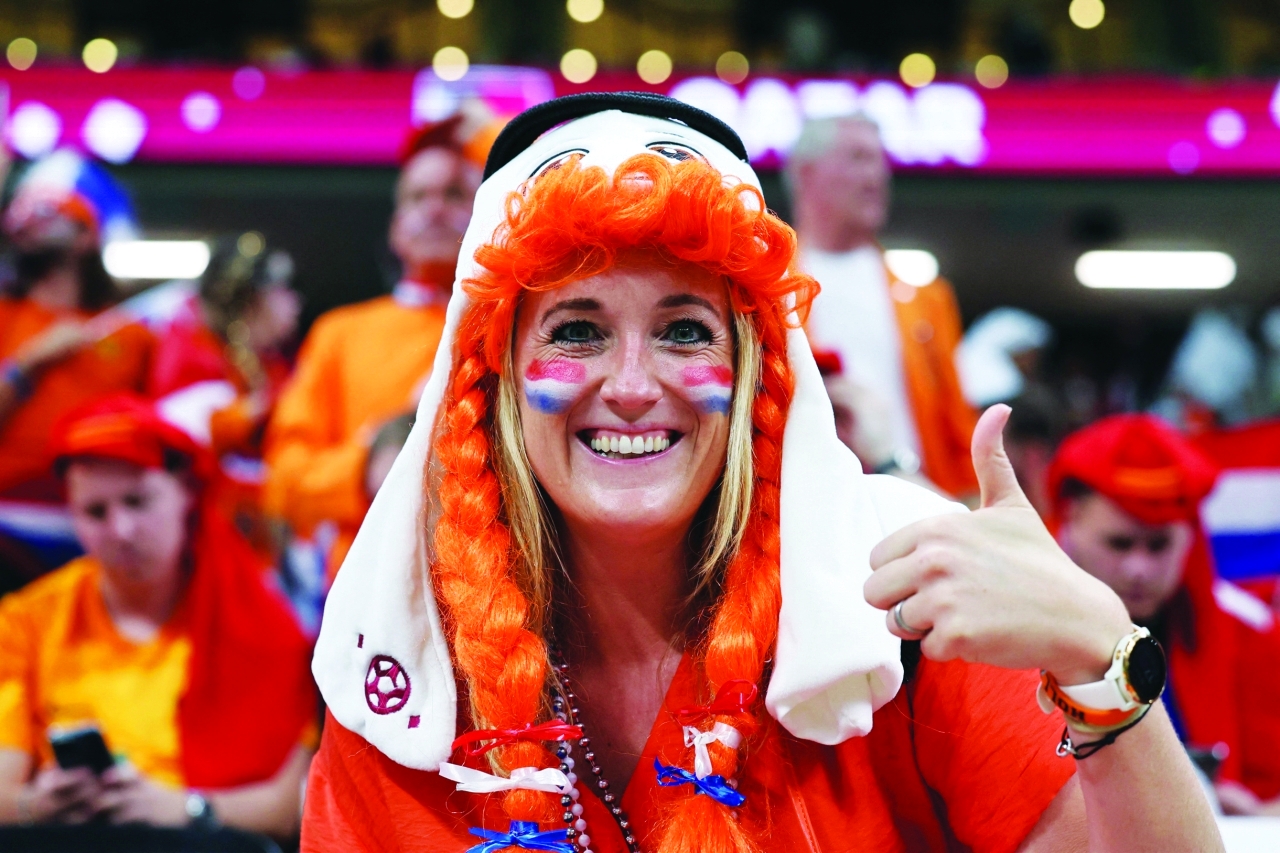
(123, 524)
(632, 386)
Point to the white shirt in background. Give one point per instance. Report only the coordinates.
(854, 316)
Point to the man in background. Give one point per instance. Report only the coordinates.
(894, 340)
(364, 365)
(1126, 493)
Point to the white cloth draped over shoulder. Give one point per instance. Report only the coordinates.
(382, 659)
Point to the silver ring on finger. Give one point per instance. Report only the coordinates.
(906, 627)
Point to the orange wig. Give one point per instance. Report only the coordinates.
(567, 224)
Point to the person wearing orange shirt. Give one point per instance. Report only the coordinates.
(220, 366)
(164, 638)
(364, 365)
(58, 347)
(895, 340)
(1126, 495)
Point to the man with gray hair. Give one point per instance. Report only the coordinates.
(895, 340)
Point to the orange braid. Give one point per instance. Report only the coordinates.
(506, 664)
(745, 625)
(568, 224)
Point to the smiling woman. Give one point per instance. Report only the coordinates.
(624, 516)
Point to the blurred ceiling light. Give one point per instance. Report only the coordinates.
(156, 259)
(914, 266)
(99, 55)
(1148, 270)
(578, 65)
(1184, 157)
(732, 67)
(201, 112)
(455, 8)
(1087, 14)
(21, 54)
(992, 71)
(248, 83)
(917, 70)
(1225, 128)
(450, 63)
(114, 130)
(34, 129)
(585, 11)
(654, 67)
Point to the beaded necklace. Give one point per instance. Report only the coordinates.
(564, 706)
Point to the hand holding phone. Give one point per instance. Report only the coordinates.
(81, 747)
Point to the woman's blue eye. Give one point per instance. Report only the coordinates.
(688, 332)
(575, 332)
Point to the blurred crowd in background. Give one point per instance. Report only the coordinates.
(184, 463)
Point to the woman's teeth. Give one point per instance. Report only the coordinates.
(628, 445)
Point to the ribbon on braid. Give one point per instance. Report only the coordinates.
(472, 781)
(714, 787)
(720, 732)
(734, 697)
(524, 835)
(550, 730)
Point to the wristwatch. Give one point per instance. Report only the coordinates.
(904, 460)
(1136, 677)
(200, 810)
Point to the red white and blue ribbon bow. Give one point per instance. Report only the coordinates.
(714, 787)
(524, 835)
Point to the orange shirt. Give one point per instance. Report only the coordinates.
(63, 664)
(119, 362)
(962, 758)
(929, 328)
(360, 366)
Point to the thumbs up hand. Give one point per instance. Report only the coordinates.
(992, 586)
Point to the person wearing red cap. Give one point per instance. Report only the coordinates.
(164, 638)
(1126, 496)
(363, 365)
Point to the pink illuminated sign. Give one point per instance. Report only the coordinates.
(1150, 127)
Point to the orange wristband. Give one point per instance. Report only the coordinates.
(1077, 715)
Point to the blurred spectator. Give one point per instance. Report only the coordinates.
(163, 637)
(863, 424)
(1270, 328)
(364, 365)
(896, 340)
(58, 348)
(1212, 376)
(220, 366)
(1126, 493)
(999, 362)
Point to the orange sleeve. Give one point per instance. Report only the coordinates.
(315, 472)
(18, 656)
(956, 416)
(987, 750)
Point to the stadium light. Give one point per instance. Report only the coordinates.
(914, 266)
(1148, 270)
(156, 259)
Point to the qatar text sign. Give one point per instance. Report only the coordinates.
(1147, 127)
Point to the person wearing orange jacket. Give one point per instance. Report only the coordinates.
(897, 341)
(362, 366)
(1126, 495)
(60, 344)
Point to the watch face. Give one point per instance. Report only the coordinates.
(1145, 669)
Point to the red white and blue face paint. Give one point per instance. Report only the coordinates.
(710, 388)
(552, 385)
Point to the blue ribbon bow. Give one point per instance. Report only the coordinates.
(714, 787)
(525, 835)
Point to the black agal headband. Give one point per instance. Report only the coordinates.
(524, 129)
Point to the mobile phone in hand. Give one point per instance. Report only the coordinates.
(81, 747)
